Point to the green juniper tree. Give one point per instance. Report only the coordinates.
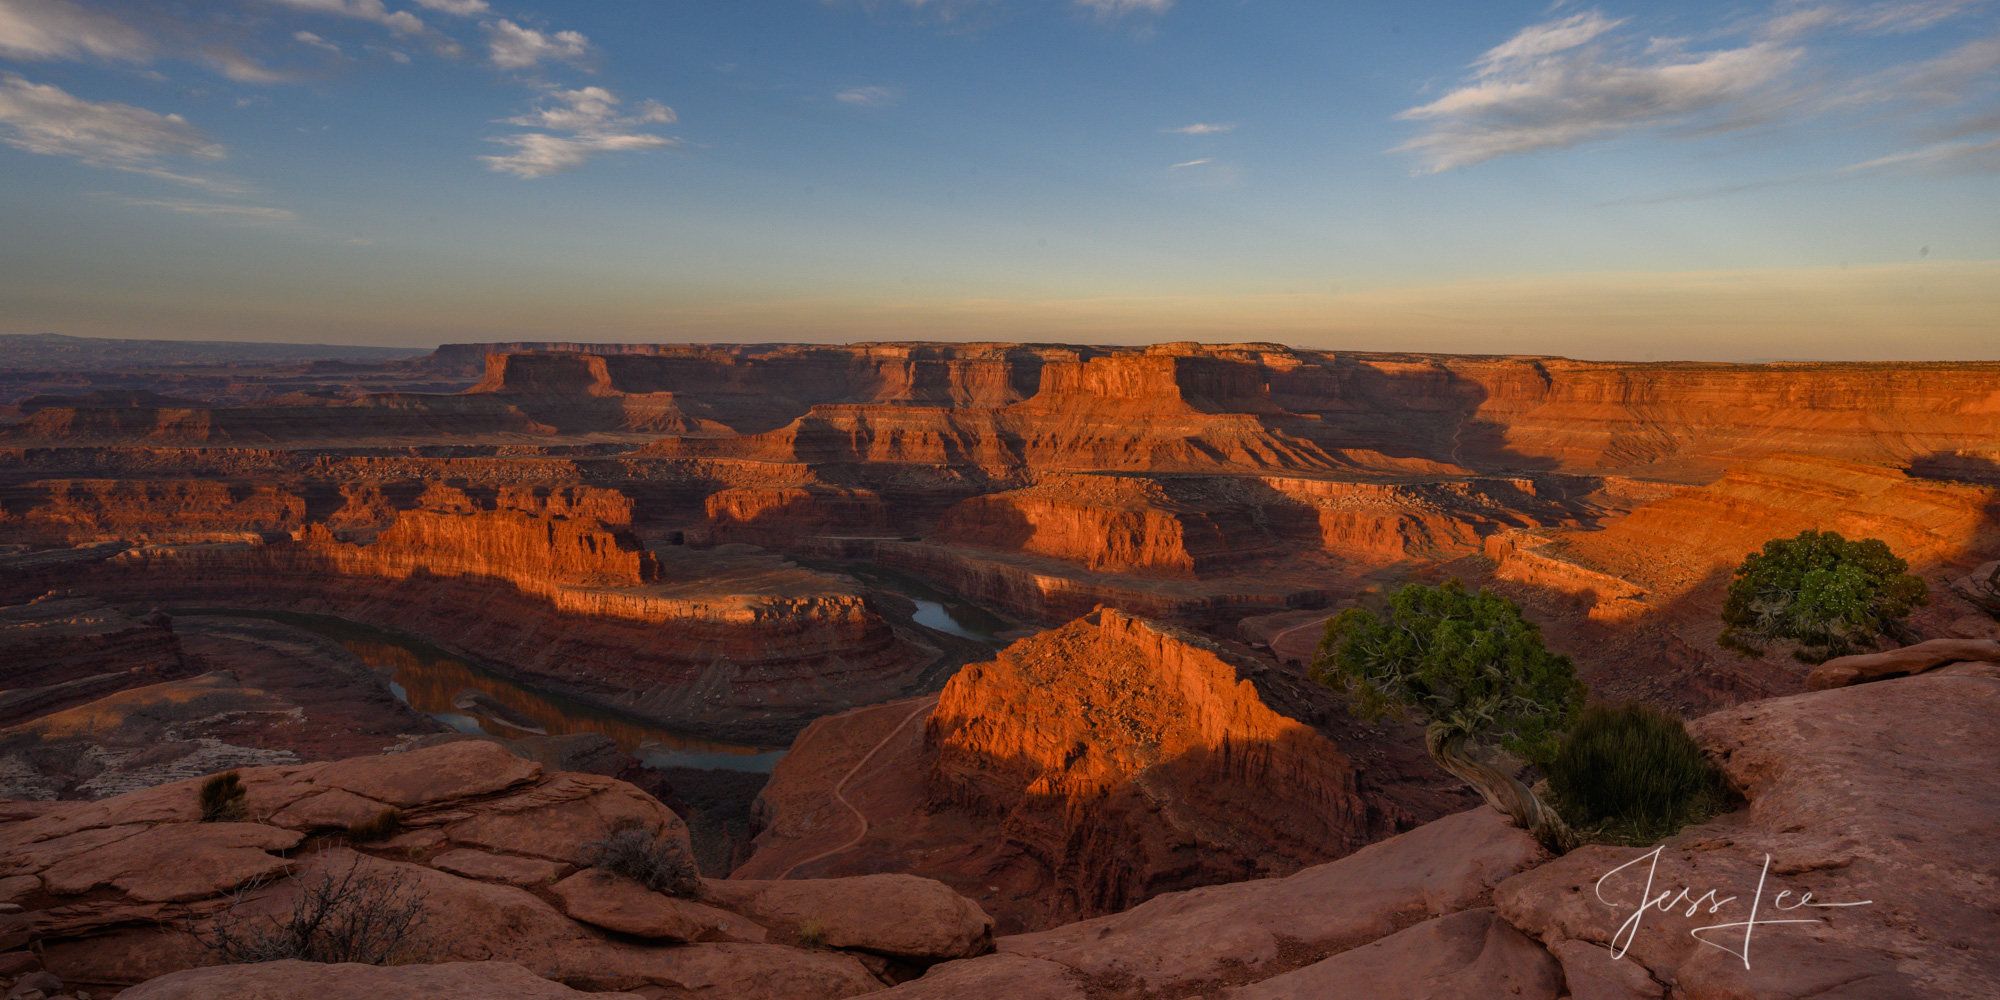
(1829, 595)
(1476, 672)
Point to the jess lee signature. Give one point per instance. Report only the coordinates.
(1667, 902)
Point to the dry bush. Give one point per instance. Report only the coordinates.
(221, 798)
(658, 863)
(385, 825)
(353, 916)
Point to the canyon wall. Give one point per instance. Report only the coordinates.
(735, 643)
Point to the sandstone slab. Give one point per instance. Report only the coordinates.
(452, 771)
(560, 818)
(1188, 937)
(1595, 972)
(1913, 659)
(1882, 796)
(486, 867)
(272, 980)
(176, 861)
(1015, 977)
(332, 809)
(1470, 955)
(735, 971)
(892, 914)
(618, 904)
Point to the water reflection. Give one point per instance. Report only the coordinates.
(936, 609)
(471, 699)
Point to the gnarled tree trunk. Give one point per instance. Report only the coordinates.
(1500, 790)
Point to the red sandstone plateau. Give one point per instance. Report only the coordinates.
(1029, 624)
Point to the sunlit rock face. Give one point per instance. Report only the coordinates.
(1131, 758)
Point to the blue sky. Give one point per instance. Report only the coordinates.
(1734, 181)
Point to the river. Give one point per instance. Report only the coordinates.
(473, 699)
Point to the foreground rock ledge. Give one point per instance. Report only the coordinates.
(452, 981)
(123, 891)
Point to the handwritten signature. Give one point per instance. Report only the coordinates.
(1667, 902)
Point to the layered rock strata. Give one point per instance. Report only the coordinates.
(730, 641)
(64, 651)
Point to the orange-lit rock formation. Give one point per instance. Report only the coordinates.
(1131, 758)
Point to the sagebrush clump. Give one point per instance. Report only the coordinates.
(221, 798)
(659, 863)
(1632, 774)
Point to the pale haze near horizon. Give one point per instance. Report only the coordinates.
(1798, 180)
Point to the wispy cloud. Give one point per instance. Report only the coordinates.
(308, 38)
(511, 46)
(400, 21)
(1888, 17)
(236, 66)
(1202, 128)
(1192, 163)
(1563, 83)
(870, 97)
(43, 118)
(57, 29)
(190, 206)
(1982, 156)
(1119, 8)
(456, 8)
(595, 125)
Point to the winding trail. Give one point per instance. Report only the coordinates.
(1278, 637)
(840, 794)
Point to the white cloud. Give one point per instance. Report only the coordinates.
(870, 97)
(1202, 128)
(1890, 17)
(1537, 41)
(308, 38)
(189, 206)
(591, 109)
(1559, 84)
(402, 21)
(1119, 8)
(57, 29)
(1192, 163)
(538, 154)
(46, 119)
(1944, 155)
(456, 8)
(591, 115)
(515, 47)
(239, 67)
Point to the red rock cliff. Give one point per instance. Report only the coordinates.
(1131, 758)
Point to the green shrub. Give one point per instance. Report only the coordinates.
(221, 798)
(1632, 774)
(658, 863)
(385, 825)
(1831, 596)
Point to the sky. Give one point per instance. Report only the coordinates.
(1739, 181)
